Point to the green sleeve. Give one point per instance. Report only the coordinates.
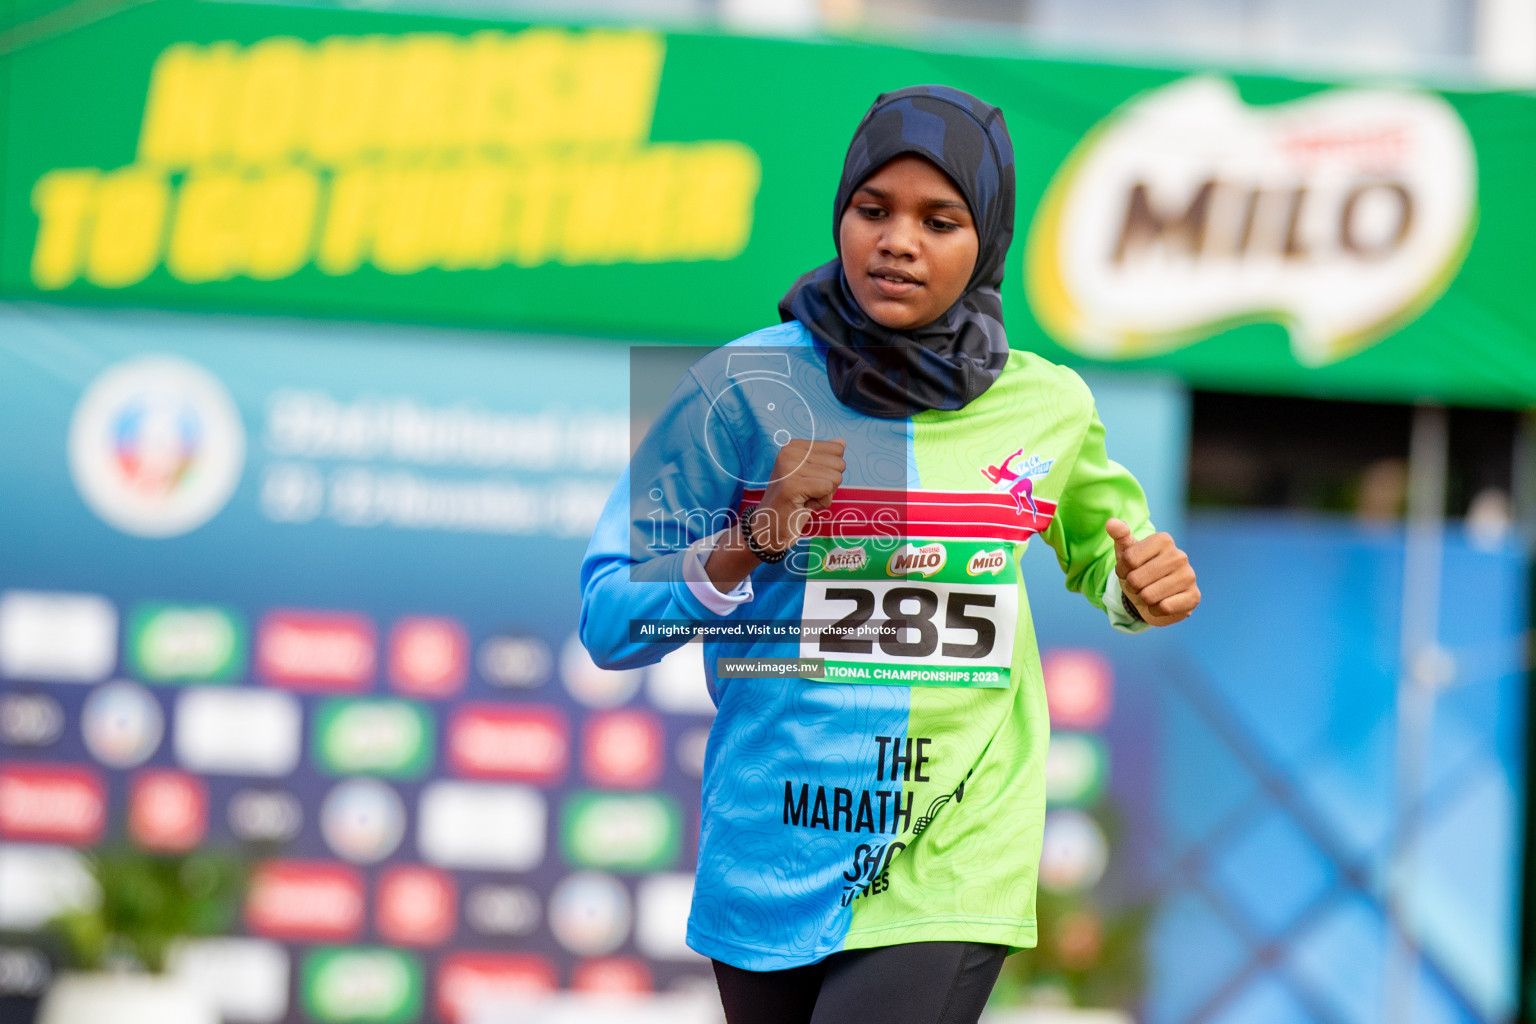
(1097, 490)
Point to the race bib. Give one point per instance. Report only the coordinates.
(911, 613)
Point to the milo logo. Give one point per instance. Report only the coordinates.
(922, 561)
(845, 559)
(1340, 215)
(987, 561)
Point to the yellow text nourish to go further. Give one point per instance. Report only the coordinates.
(402, 153)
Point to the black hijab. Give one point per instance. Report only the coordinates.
(945, 364)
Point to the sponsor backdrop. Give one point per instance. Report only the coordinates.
(311, 592)
(1244, 232)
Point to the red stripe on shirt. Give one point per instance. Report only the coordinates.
(938, 515)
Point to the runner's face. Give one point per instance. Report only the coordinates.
(908, 242)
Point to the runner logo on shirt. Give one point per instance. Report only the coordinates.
(1018, 480)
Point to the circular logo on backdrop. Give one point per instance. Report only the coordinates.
(156, 446)
(122, 724)
(589, 913)
(595, 687)
(363, 820)
(1074, 853)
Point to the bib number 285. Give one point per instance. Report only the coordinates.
(868, 628)
(909, 629)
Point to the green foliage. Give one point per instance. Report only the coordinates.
(147, 902)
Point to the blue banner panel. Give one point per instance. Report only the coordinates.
(1327, 864)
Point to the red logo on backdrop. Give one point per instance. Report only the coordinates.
(167, 810)
(492, 742)
(305, 900)
(465, 980)
(618, 974)
(428, 657)
(623, 749)
(316, 650)
(417, 906)
(1079, 687)
(52, 803)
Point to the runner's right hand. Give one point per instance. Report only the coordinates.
(805, 476)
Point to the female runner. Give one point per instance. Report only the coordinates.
(855, 486)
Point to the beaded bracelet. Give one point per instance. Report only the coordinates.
(762, 553)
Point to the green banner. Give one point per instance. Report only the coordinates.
(1246, 233)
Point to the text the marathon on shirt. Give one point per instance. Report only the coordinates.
(900, 759)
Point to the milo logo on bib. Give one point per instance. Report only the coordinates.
(990, 562)
(921, 561)
(840, 559)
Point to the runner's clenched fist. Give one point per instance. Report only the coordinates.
(1154, 574)
(805, 476)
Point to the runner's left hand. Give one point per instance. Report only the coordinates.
(1154, 574)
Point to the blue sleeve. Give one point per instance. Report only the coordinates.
(682, 484)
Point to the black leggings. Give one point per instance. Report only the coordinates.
(913, 983)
